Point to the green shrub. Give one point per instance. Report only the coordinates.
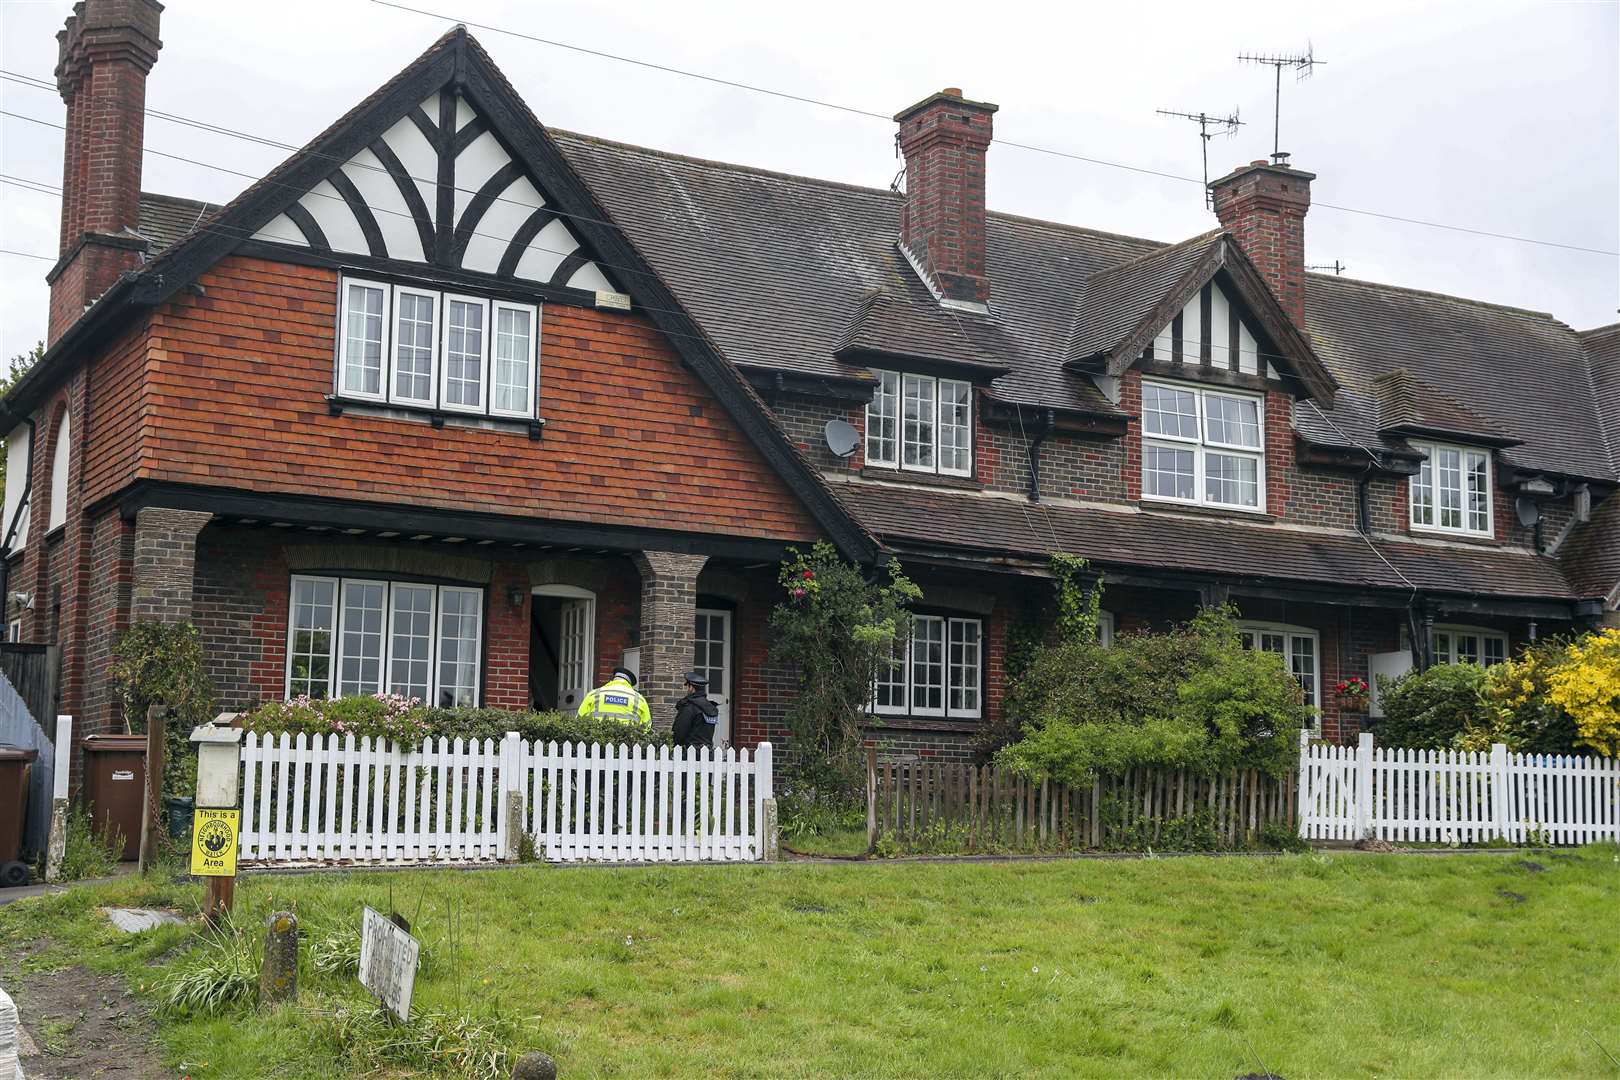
(405, 720)
(1191, 697)
(1527, 719)
(808, 813)
(86, 852)
(1430, 710)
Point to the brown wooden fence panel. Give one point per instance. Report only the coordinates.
(951, 806)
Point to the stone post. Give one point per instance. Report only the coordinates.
(668, 619)
(278, 978)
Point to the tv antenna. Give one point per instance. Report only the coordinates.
(1208, 128)
(1336, 266)
(1304, 65)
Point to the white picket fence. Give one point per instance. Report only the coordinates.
(1445, 796)
(327, 799)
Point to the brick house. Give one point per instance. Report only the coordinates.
(454, 405)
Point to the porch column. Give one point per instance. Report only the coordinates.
(165, 563)
(668, 616)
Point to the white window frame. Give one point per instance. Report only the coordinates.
(335, 647)
(1105, 629)
(392, 350)
(907, 666)
(482, 406)
(890, 394)
(1453, 632)
(1289, 632)
(1202, 445)
(526, 412)
(1463, 452)
(433, 637)
(343, 628)
(886, 395)
(61, 466)
(384, 353)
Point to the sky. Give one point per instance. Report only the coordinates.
(1503, 117)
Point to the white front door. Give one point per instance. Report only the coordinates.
(574, 635)
(711, 655)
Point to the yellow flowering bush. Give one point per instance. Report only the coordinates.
(1520, 712)
(1587, 686)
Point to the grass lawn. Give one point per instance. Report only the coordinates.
(1303, 965)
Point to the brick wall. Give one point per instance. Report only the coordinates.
(237, 381)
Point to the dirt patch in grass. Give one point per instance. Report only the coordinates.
(86, 1025)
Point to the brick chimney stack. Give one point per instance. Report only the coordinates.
(944, 138)
(105, 50)
(1263, 206)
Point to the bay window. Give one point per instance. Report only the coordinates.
(920, 423)
(1297, 646)
(937, 672)
(351, 636)
(1452, 490)
(1203, 446)
(402, 345)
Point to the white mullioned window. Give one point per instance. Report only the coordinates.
(1203, 446)
(349, 636)
(404, 345)
(1452, 490)
(1298, 646)
(1469, 645)
(938, 672)
(883, 421)
(920, 423)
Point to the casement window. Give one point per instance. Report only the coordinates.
(402, 345)
(1469, 645)
(938, 672)
(1203, 446)
(349, 636)
(1452, 490)
(1299, 649)
(920, 424)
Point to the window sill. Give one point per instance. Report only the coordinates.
(1451, 534)
(921, 723)
(439, 418)
(1228, 513)
(887, 472)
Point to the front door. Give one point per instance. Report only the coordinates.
(574, 653)
(711, 655)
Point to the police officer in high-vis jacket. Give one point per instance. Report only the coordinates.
(618, 700)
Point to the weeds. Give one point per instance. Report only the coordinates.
(221, 974)
(475, 1047)
(336, 952)
(89, 853)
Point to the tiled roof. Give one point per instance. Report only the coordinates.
(1408, 405)
(1603, 347)
(165, 220)
(776, 266)
(1114, 301)
(918, 517)
(899, 325)
(1591, 557)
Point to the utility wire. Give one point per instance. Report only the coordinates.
(887, 117)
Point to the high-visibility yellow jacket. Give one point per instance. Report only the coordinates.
(617, 700)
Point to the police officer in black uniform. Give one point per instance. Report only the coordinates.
(695, 715)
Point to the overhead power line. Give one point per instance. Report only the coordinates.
(804, 99)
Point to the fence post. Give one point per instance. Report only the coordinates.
(1303, 795)
(871, 799)
(56, 842)
(1501, 796)
(509, 804)
(766, 844)
(1364, 786)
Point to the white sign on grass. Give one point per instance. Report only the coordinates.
(388, 958)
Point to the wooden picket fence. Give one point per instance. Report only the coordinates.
(327, 799)
(957, 806)
(1453, 796)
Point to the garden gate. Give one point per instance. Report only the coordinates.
(1445, 796)
(336, 799)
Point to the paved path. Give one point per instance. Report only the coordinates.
(8, 896)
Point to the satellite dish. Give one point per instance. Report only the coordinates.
(842, 438)
(1529, 511)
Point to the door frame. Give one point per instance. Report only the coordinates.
(574, 592)
(729, 637)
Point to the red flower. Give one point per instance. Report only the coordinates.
(809, 574)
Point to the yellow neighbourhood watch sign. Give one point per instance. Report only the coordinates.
(213, 842)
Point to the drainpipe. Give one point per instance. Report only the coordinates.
(1363, 509)
(1048, 424)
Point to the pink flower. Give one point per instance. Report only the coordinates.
(798, 594)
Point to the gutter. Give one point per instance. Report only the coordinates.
(33, 388)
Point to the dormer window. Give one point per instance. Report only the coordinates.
(1203, 446)
(420, 348)
(1452, 490)
(918, 423)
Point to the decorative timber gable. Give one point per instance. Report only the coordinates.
(440, 186)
